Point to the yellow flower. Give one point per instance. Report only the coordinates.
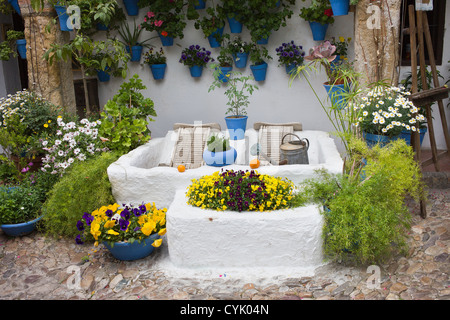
(162, 232)
(341, 39)
(114, 233)
(110, 224)
(95, 230)
(148, 227)
(45, 125)
(49, 121)
(157, 243)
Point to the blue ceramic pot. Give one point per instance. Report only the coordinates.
(336, 62)
(136, 52)
(406, 135)
(291, 68)
(63, 17)
(240, 59)
(335, 93)
(259, 71)
(201, 5)
(236, 127)
(103, 76)
(235, 26)
(166, 41)
(20, 229)
(196, 71)
(374, 139)
(340, 7)
(220, 159)
(15, 5)
(132, 7)
(318, 30)
(212, 38)
(224, 71)
(158, 71)
(133, 251)
(102, 27)
(263, 41)
(22, 48)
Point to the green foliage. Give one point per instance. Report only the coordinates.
(155, 57)
(19, 204)
(218, 143)
(210, 23)
(83, 188)
(131, 37)
(8, 171)
(238, 91)
(366, 219)
(124, 120)
(319, 11)
(9, 46)
(258, 54)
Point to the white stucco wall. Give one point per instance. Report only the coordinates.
(444, 69)
(181, 98)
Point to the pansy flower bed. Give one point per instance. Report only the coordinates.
(115, 224)
(240, 191)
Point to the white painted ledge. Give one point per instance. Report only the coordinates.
(199, 238)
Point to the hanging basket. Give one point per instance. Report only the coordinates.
(340, 7)
(132, 7)
(318, 30)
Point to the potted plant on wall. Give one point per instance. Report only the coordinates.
(320, 16)
(195, 57)
(341, 45)
(264, 17)
(341, 7)
(131, 40)
(218, 152)
(238, 92)
(212, 26)
(225, 64)
(157, 62)
(239, 49)
(15, 42)
(290, 55)
(167, 18)
(258, 56)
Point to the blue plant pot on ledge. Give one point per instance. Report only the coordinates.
(236, 127)
(220, 159)
(15, 5)
(22, 48)
(158, 71)
(20, 229)
(133, 251)
(196, 71)
(63, 17)
(374, 139)
(318, 30)
(132, 7)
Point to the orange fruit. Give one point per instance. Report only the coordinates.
(181, 168)
(254, 163)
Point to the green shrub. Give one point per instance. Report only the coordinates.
(83, 188)
(366, 219)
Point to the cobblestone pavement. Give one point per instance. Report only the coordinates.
(38, 268)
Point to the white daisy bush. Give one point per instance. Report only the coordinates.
(387, 111)
(73, 142)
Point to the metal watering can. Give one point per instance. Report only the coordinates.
(294, 152)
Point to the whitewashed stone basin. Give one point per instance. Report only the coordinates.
(199, 238)
(136, 176)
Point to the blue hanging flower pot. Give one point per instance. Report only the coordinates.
(158, 71)
(22, 48)
(63, 18)
(340, 7)
(196, 71)
(259, 71)
(103, 76)
(102, 27)
(132, 7)
(166, 40)
(15, 5)
(136, 52)
(212, 38)
(291, 68)
(240, 59)
(318, 30)
(235, 26)
(224, 72)
(201, 5)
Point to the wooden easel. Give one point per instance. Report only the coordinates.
(428, 96)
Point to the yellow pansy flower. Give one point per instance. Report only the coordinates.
(114, 233)
(157, 243)
(110, 224)
(46, 125)
(95, 230)
(148, 227)
(162, 232)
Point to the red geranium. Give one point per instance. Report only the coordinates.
(329, 12)
(164, 33)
